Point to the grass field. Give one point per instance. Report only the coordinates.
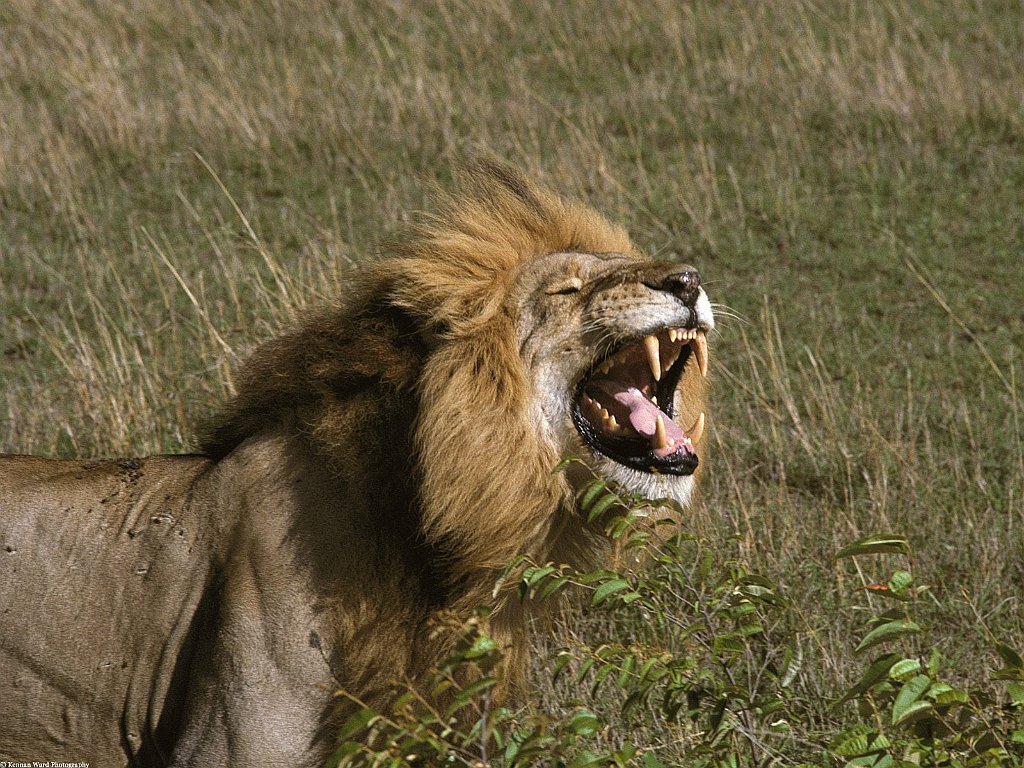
(178, 180)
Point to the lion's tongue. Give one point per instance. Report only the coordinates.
(643, 416)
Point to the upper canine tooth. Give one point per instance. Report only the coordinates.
(700, 349)
(660, 438)
(653, 355)
(695, 432)
(671, 334)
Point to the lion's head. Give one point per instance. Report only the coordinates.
(504, 334)
(552, 337)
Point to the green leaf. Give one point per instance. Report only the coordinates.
(944, 695)
(532, 575)
(888, 631)
(590, 492)
(607, 589)
(886, 544)
(874, 760)
(602, 504)
(651, 761)
(909, 697)
(345, 750)
(467, 694)
(904, 668)
(358, 723)
(564, 657)
(900, 580)
(912, 712)
(727, 643)
(1016, 691)
(584, 723)
(858, 740)
(875, 673)
(554, 585)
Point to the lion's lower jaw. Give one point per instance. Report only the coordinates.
(647, 484)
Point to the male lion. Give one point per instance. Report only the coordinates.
(378, 467)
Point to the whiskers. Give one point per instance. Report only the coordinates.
(727, 312)
(606, 337)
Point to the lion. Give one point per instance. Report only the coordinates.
(377, 469)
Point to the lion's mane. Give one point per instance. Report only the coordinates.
(422, 362)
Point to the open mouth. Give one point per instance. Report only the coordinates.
(624, 409)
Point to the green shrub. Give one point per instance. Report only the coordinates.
(696, 665)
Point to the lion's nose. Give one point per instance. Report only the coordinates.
(683, 285)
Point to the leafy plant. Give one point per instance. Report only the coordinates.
(908, 715)
(696, 662)
(689, 645)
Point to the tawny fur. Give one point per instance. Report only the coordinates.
(377, 469)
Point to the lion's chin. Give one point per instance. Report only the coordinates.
(624, 407)
(648, 485)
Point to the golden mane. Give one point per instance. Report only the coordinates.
(483, 479)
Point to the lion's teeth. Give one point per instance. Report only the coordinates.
(654, 399)
(671, 334)
(653, 355)
(604, 414)
(611, 420)
(700, 349)
(660, 438)
(695, 432)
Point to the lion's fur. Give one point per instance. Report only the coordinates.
(377, 468)
(451, 274)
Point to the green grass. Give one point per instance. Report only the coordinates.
(847, 176)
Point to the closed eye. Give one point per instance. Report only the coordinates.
(572, 285)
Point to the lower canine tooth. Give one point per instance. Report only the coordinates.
(660, 438)
(653, 355)
(700, 350)
(697, 430)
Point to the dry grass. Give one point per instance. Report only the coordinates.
(178, 180)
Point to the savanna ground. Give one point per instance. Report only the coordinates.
(178, 180)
